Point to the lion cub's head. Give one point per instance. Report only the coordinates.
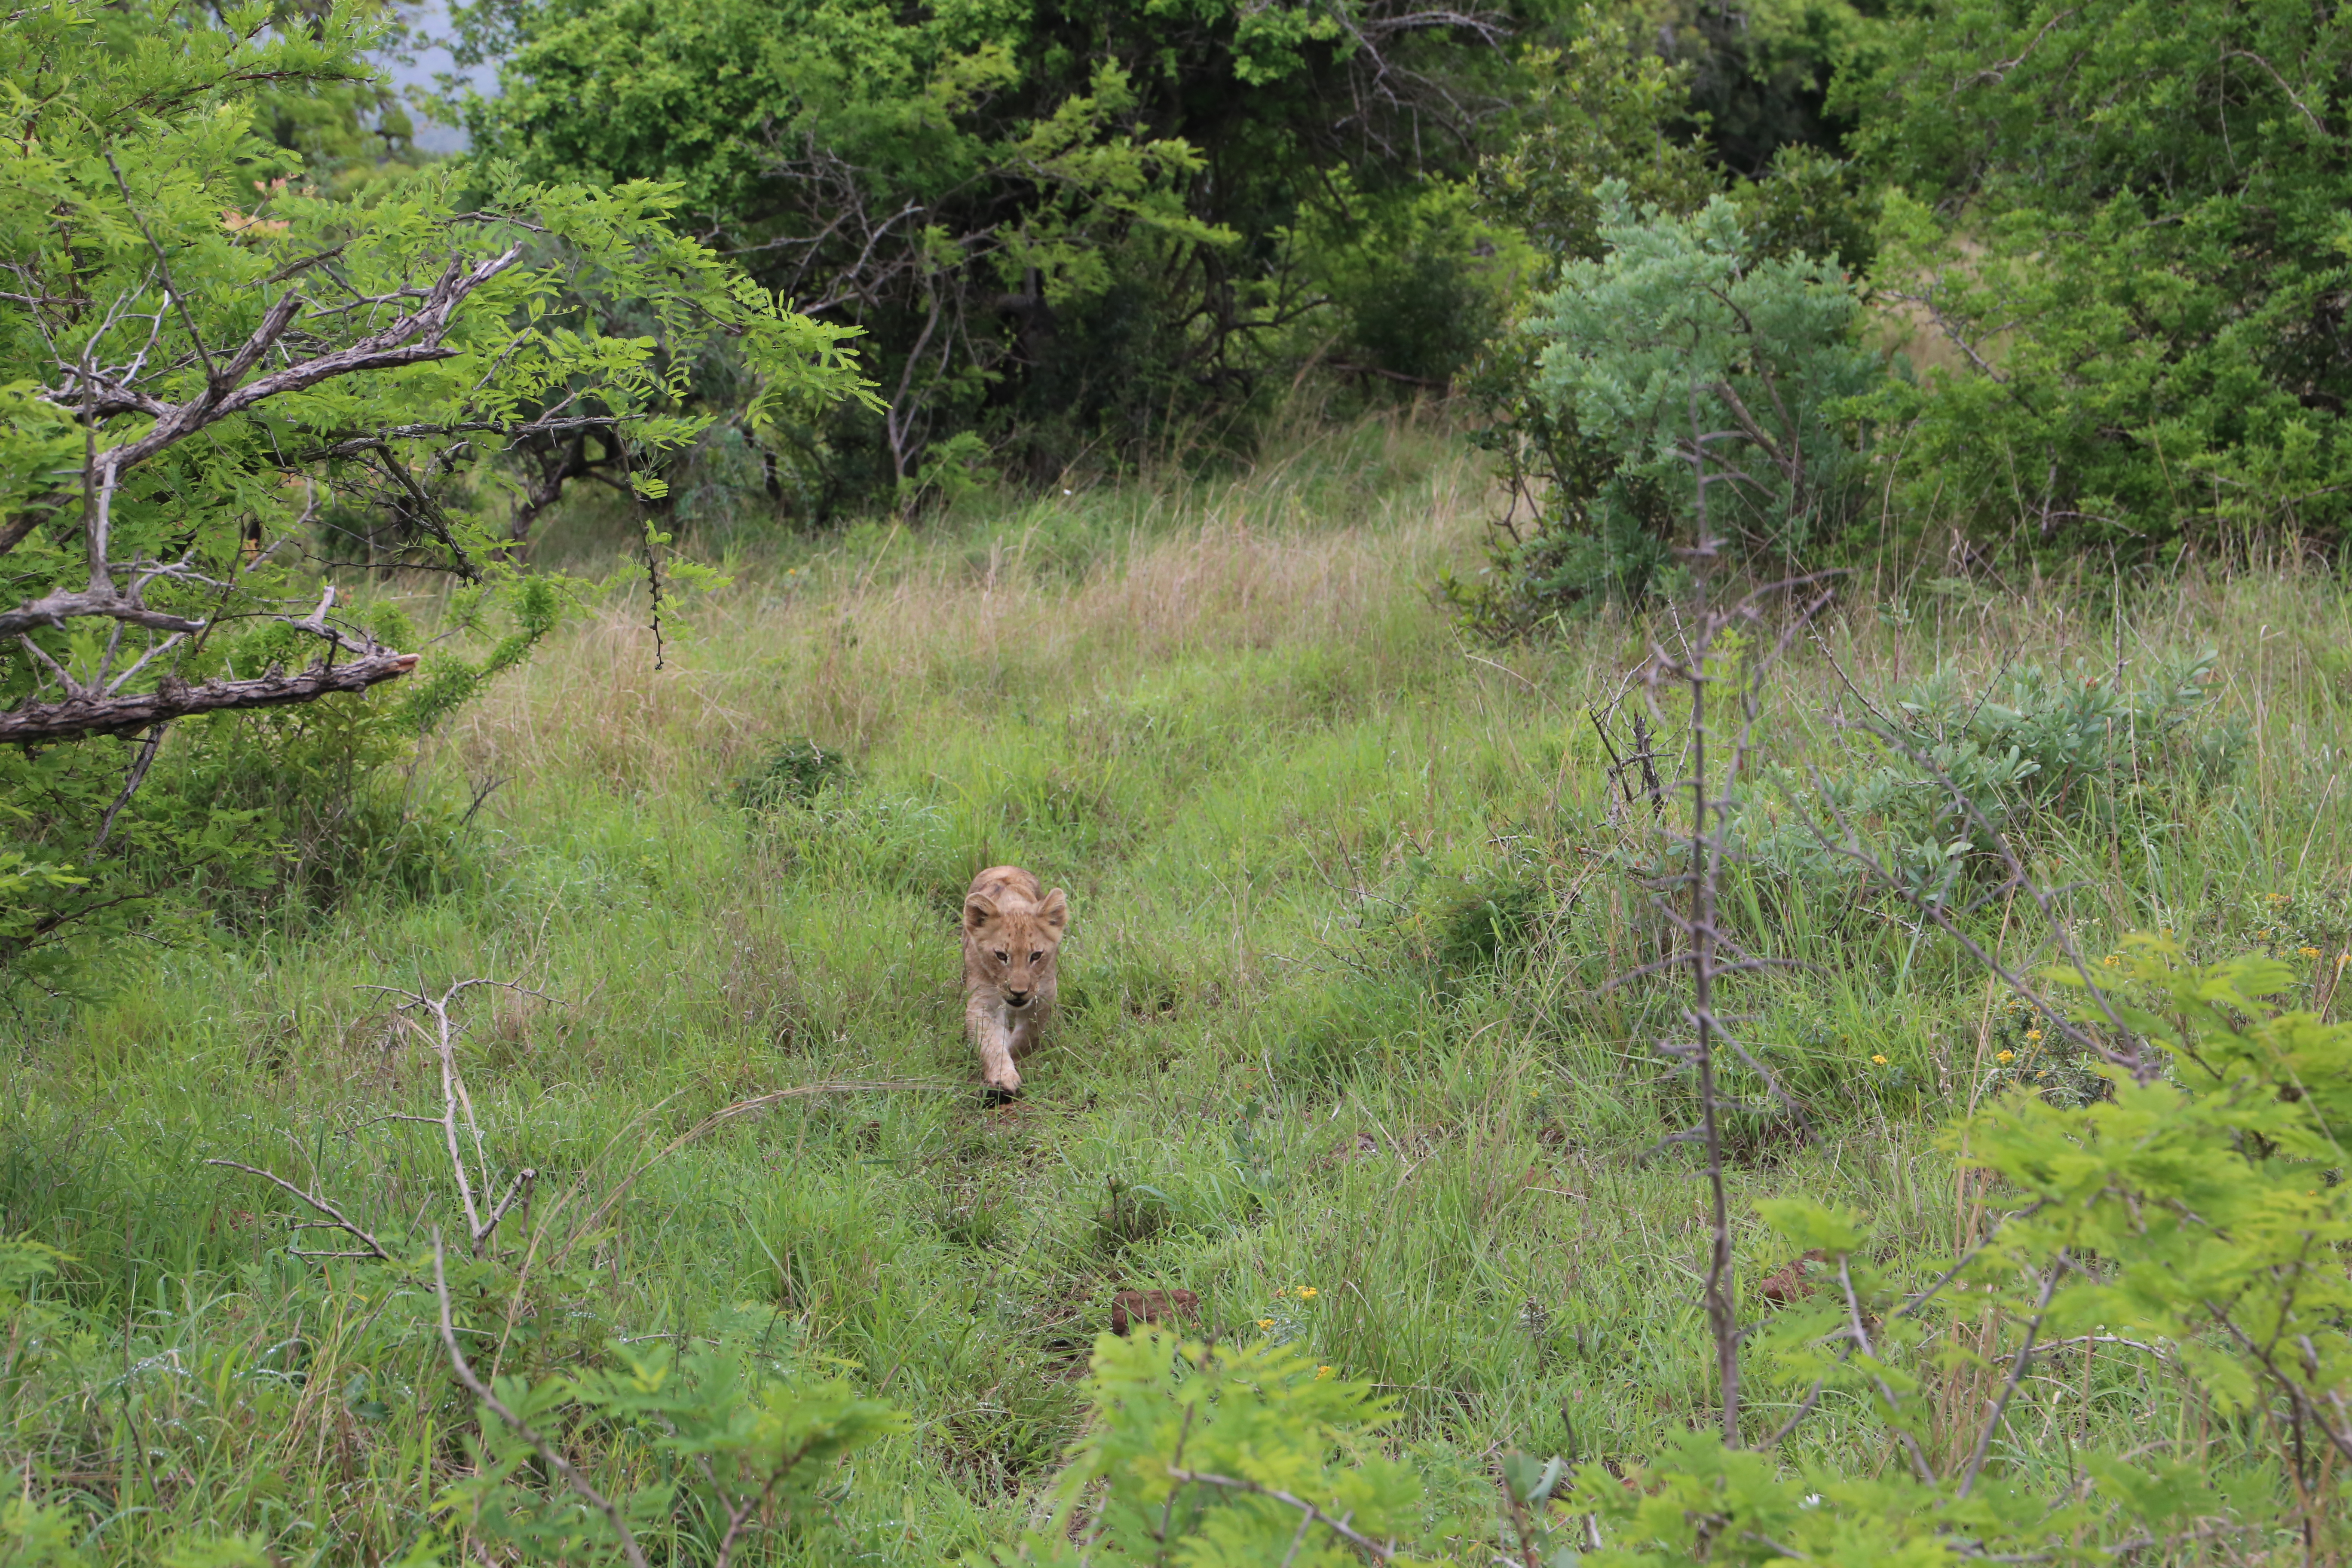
(1009, 943)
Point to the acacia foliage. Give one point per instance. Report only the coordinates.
(2192, 1217)
(208, 366)
(1227, 1456)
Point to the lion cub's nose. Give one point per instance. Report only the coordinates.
(1015, 998)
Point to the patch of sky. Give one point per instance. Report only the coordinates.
(420, 64)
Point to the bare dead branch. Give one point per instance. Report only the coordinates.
(54, 609)
(413, 338)
(1967, 1258)
(1804, 1408)
(456, 1101)
(518, 1187)
(144, 659)
(2016, 1375)
(1860, 1336)
(2302, 108)
(56, 672)
(84, 714)
(335, 1216)
(132, 779)
(2340, 1440)
(15, 531)
(1998, 70)
(163, 266)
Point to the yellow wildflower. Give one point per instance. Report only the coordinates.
(1266, 1323)
(2112, 960)
(2308, 951)
(1306, 1292)
(2005, 1058)
(1321, 1373)
(2032, 1034)
(1880, 1060)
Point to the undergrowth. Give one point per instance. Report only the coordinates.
(1358, 1043)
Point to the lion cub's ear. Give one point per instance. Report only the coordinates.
(978, 910)
(1054, 912)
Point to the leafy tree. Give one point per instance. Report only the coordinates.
(2129, 222)
(1760, 74)
(1716, 375)
(1610, 106)
(206, 361)
(1702, 382)
(1058, 223)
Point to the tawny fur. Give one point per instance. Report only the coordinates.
(1012, 932)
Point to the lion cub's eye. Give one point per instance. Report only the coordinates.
(1036, 958)
(1000, 958)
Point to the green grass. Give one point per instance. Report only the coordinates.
(1338, 1012)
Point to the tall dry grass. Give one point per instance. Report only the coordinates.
(843, 647)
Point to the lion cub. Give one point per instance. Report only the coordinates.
(1011, 933)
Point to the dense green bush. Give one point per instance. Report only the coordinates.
(2115, 232)
(1225, 1455)
(793, 776)
(1582, 529)
(1708, 387)
(1952, 775)
(2127, 222)
(2187, 1215)
(1064, 228)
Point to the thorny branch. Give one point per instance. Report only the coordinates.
(1706, 849)
(549, 1452)
(83, 714)
(115, 589)
(335, 1216)
(2338, 1438)
(1860, 1338)
(1338, 1527)
(456, 1101)
(2023, 1359)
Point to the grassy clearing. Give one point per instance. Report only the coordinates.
(1339, 1014)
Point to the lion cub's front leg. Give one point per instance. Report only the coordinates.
(983, 1018)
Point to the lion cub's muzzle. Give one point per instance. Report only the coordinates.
(1016, 1000)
